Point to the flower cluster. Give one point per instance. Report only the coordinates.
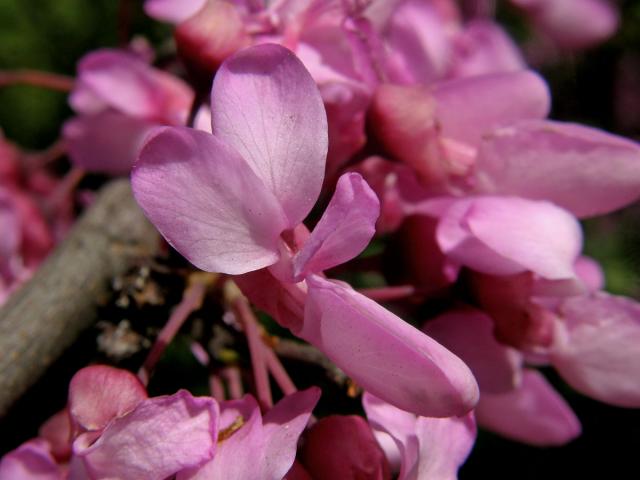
(403, 121)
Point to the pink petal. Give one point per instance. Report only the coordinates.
(419, 41)
(469, 334)
(126, 83)
(57, 431)
(509, 235)
(445, 444)
(263, 448)
(30, 461)
(98, 394)
(266, 105)
(468, 108)
(283, 425)
(161, 437)
(585, 170)
(340, 446)
(534, 413)
(345, 229)
(207, 203)
(429, 447)
(590, 272)
(172, 11)
(384, 354)
(573, 24)
(597, 348)
(107, 142)
(484, 47)
(238, 451)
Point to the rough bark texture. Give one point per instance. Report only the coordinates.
(48, 313)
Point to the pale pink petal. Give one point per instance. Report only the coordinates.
(509, 235)
(172, 11)
(585, 170)
(345, 229)
(469, 334)
(484, 47)
(239, 444)
(419, 42)
(534, 413)
(573, 24)
(597, 347)
(207, 203)
(445, 444)
(266, 105)
(468, 108)
(107, 142)
(590, 272)
(98, 394)
(432, 448)
(161, 437)
(384, 354)
(283, 425)
(30, 461)
(126, 83)
(263, 448)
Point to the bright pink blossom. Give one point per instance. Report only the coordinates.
(232, 202)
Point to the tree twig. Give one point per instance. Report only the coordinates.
(48, 313)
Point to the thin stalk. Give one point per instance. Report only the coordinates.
(256, 349)
(278, 372)
(35, 78)
(234, 382)
(387, 294)
(191, 301)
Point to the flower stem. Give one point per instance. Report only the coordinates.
(386, 294)
(278, 371)
(35, 78)
(256, 349)
(191, 301)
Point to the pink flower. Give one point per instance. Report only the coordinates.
(233, 201)
(253, 446)
(120, 99)
(421, 447)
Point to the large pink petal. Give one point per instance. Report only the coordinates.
(469, 334)
(207, 202)
(597, 347)
(172, 11)
(534, 413)
(30, 461)
(128, 84)
(161, 437)
(99, 393)
(468, 108)
(106, 142)
(585, 170)
(266, 105)
(345, 229)
(509, 235)
(384, 354)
